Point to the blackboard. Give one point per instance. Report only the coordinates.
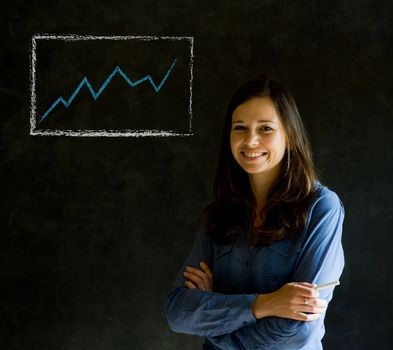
(94, 228)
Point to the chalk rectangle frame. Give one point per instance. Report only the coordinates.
(101, 133)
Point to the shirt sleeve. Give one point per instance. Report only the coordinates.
(205, 313)
(320, 261)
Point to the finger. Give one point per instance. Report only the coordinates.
(321, 303)
(209, 274)
(311, 309)
(190, 285)
(207, 270)
(195, 271)
(306, 284)
(309, 305)
(195, 279)
(202, 275)
(304, 291)
(300, 316)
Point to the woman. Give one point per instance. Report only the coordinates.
(272, 233)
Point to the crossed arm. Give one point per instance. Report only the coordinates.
(297, 301)
(263, 320)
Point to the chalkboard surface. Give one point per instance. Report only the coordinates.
(94, 228)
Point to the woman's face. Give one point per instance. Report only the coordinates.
(258, 138)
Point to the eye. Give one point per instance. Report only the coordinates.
(266, 128)
(239, 127)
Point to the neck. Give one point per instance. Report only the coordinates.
(261, 185)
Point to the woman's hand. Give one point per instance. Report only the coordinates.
(297, 301)
(199, 279)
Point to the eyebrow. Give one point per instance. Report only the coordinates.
(259, 121)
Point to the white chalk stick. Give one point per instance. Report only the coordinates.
(327, 285)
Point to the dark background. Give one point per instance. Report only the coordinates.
(93, 230)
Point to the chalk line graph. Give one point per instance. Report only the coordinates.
(156, 85)
(96, 95)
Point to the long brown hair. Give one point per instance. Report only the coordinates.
(285, 212)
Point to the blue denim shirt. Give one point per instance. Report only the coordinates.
(242, 271)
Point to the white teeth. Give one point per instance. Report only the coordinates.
(253, 155)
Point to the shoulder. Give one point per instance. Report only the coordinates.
(326, 200)
(326, 208)
(325, 219)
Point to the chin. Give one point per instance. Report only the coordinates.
(253, 171)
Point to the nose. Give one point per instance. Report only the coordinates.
(251, 139)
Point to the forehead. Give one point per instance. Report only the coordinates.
(256, 109)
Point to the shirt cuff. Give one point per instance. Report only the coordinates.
(241, 311)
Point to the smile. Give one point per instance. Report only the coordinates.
(252, 155)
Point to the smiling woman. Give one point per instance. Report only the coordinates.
(258, 142)
(257, 134)
(272, 232)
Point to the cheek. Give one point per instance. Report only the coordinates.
(271, 143)
(277, 145)
(281, 147)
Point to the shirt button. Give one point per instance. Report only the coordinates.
(244, 323)
(247, 264)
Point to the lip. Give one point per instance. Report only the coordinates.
(252, 159)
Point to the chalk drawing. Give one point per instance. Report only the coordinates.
(103, 133)
(97, 94)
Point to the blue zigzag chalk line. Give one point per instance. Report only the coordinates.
(95, 95)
